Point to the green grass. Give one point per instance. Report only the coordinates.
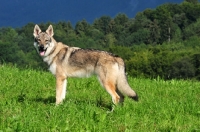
(27, 103)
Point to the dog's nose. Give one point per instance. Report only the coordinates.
(41, 46)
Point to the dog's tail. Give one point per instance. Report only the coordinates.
(123, 86)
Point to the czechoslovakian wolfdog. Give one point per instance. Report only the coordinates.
(65, 61)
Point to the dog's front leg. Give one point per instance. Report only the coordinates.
(60, 89)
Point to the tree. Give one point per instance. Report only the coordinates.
(182, 68)
(120, 28)
(180, 20)
(192, 11)
(163, 15)
(139, 37)
(141, 21)
(192, 1)
(8, 52)
(103, 24)
(192, 30)
(81, 27)
(154, 29)
(121, 19)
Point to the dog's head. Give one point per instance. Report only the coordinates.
(43, 40)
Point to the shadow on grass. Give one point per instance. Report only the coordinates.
(48, 100)
(103, 104)
(22, 98)
(99, 103)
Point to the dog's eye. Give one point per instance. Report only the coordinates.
(38, 40)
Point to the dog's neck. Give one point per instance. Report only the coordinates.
(54, 50)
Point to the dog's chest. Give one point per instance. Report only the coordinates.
(52, 68)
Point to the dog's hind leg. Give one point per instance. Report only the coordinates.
(107, 78)
(60, 89)
(111, 89)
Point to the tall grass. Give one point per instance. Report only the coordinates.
(27, 103)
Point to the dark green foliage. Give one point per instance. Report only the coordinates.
(103, 24)
(182, 68)
(192, 1)
(158, 42)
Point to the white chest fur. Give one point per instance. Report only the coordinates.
(52, 68)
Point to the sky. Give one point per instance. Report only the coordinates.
(17, 13)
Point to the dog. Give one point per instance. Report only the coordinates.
(65, 61)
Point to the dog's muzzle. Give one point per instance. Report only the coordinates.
(42, 50)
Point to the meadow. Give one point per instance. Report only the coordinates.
(27, 103)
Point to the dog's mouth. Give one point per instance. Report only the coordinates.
(42, 50)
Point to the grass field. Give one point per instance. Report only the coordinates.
(27, 103)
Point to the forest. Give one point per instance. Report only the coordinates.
(163, 42)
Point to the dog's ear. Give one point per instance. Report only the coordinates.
(49, 31)
(36, 31)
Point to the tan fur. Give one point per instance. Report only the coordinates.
(65, 61)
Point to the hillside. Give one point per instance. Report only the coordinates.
(28, 104)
